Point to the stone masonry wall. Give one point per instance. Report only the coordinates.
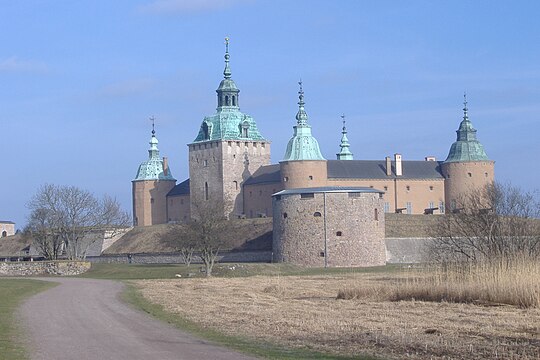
(354, 229)
(34, 268)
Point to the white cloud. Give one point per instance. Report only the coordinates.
(187, 6)
(14, 64)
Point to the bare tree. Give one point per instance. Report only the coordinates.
(208, 233)
(41, 228)
(497, 221)
(72, 215)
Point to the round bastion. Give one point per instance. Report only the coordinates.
(329, 227)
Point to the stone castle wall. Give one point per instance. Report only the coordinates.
(218, 170)
(36, 268)
(336, 229)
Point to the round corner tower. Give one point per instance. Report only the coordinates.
(467, 166)
(303, 165)
(329, 227)
(150, 188)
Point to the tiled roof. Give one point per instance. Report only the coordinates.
(264, 175)
(180, 189)
(376, 169)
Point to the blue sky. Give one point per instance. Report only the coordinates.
(79, 80)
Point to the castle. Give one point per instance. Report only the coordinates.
(229, 165)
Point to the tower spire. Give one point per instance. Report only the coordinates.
(465, 109)
(345, 152)
(227, 72)
(301, 116)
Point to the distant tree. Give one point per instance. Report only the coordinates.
(65, 216)
(208, 233)
(42, 229)
(494, 222)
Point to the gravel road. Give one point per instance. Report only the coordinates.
(84, 319)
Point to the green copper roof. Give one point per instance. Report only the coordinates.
(302, 146)
(229, 123)
(345, 153)
(152, 169)
(467, 147)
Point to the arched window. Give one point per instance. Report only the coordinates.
(317, 214)
(206, 191)
(235, 185)
(4, 233)
(234, 101)
(227, 103)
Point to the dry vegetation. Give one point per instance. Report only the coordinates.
(304, 312)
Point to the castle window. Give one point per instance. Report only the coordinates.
(285, 215)
(441, 207)
(235, 185)
(448, 176)
(376, 214)
(386, 207)
(386, 188)
(339, 233)
(486, 174)
(229, 143)
(233, 101)
(285, 179)
(431, 205)
(409, 208)
(317, 214)
(470, 174)
(206, 197)
(310, 177)
(227, 103)
(151, 200)
(431, 188)
(307, 196)
(205, 162)
(408, 188)
(321, 254)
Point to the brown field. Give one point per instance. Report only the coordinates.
(304, 312)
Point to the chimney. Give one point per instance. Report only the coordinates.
(430, 158)
(397, 158)
(165, 166)
(388, 166)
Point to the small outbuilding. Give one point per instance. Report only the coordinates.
(329, 227)
(7, 228)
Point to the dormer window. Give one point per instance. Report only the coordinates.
(245, 129)
(206, 131)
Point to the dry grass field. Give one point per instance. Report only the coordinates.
(304, 311)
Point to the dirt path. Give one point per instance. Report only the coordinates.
(84, 319)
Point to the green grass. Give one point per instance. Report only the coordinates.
(12, 293)
(245, 345)
(169, 271)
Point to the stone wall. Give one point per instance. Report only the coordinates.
(406, 250)
(35, 268)
(176, 258)
(332, 228)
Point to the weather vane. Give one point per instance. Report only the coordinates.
(153, 124)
